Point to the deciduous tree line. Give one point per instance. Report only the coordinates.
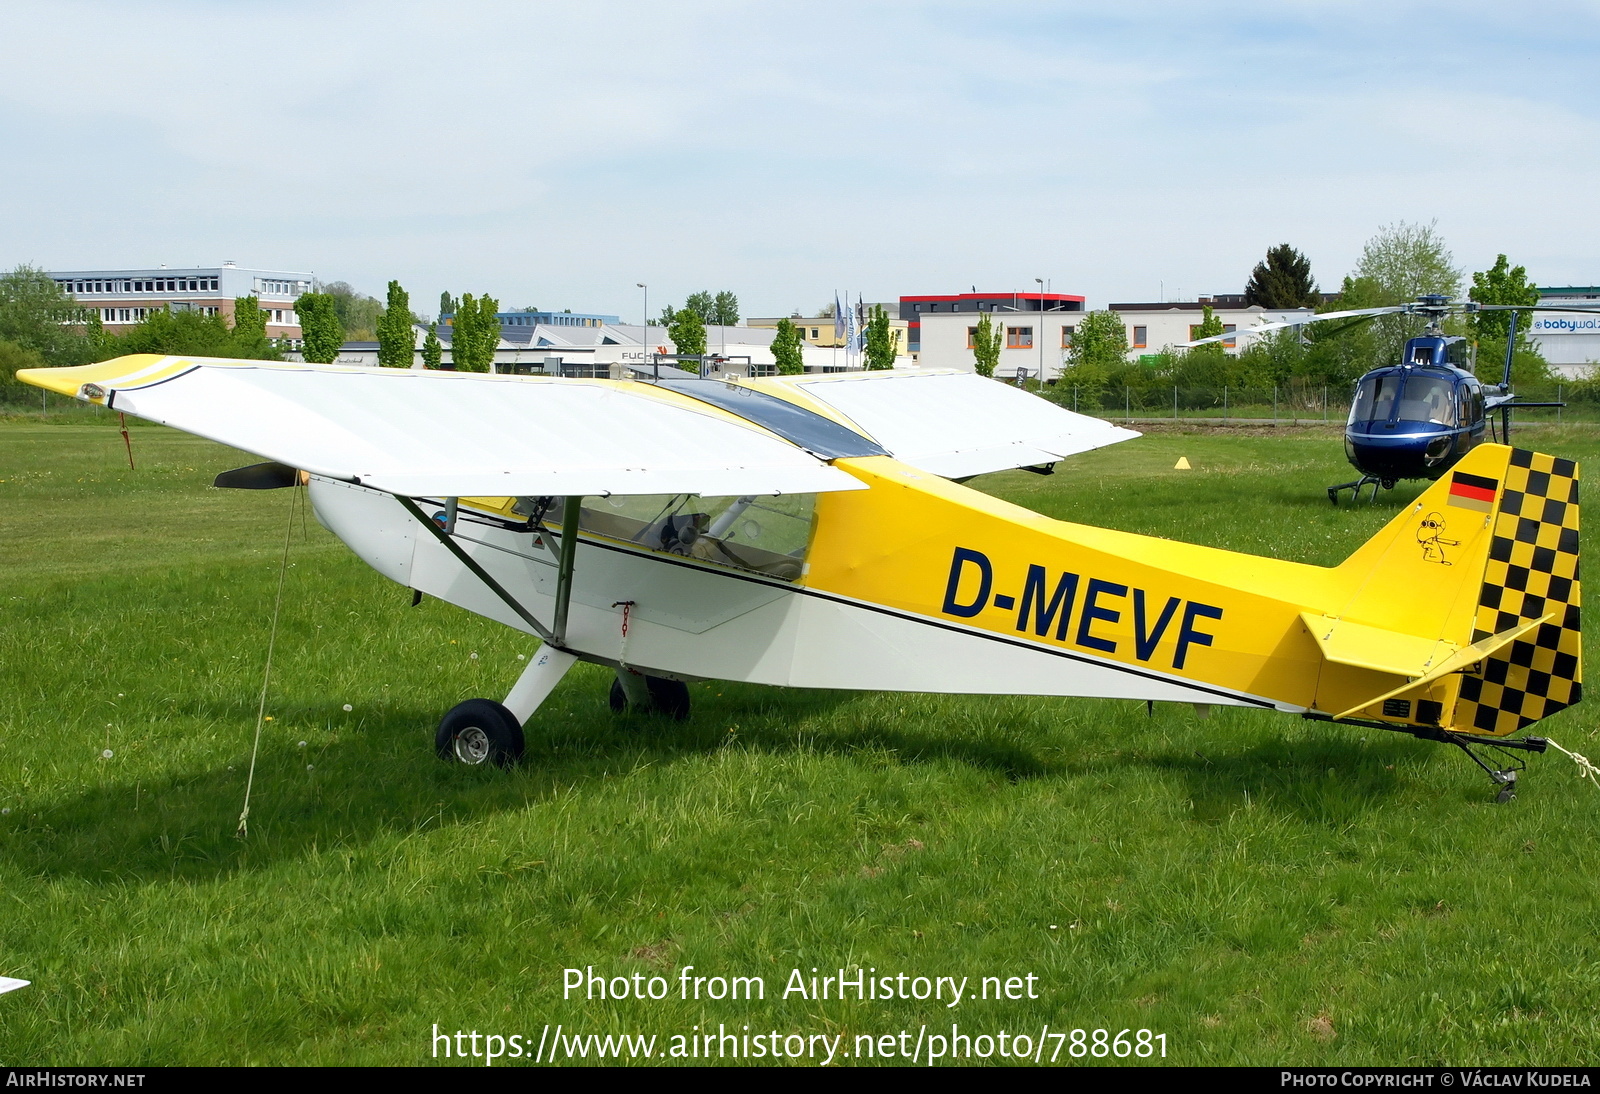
(1397, 265)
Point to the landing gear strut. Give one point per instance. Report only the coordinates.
(1356, 487)
(1504, 778)
(650, 694)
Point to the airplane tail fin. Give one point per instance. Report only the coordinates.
(1470, 597)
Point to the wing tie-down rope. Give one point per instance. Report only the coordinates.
(266, 674)
(1586, 770)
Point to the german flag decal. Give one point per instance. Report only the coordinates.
(1472, 491)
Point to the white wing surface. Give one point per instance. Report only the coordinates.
(957, 424)
(441, 434)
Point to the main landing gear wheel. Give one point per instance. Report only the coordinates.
(479, 731)
(669, 698)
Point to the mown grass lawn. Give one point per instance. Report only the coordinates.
(1259, 889)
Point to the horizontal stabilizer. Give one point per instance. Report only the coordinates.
(1375, 648)
(1463, 658)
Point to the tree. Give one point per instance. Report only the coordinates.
(320, 329)
(190, 332)
(396, 341)
(1283, 281)
(985, 346)
(12, 358)
(1402, 262)
(476, 333)
(1405, 261)
(702, 304)
(249, 320)
(688, 334)
(1099, 348)
(1503, 283)
(669, 315)
(786, 351)
(880, 343)
(1339, 352)
(726, 308)
(37, 314)
(447, 305)
(432, 349)
(249, 335)
(358, 313)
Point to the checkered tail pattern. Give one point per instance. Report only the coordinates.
(1532, 573)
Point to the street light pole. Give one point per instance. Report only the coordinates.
(1040, 280)
(645, 346)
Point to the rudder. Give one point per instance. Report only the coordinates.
(1532, 571)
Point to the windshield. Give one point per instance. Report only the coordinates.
(1375, 399)
(766, 534)
(1428, 399)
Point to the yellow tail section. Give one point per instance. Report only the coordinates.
(1470, 596)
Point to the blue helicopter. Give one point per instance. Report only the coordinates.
(1415, 419)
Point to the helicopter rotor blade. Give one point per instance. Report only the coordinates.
(1535, 307)
(1359, 314)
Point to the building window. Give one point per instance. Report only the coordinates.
(1140, 335)
(1066, 337)
(1019, 338)
(1229, 328)
(972, 337)
(813, 332)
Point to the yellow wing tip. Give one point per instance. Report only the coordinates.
(70, 380)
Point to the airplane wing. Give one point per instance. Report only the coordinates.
(447, 434)
(953, 424)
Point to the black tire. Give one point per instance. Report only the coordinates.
(669, 698)
(479, 731)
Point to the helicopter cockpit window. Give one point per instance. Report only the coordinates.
(1375, 399)
(766, 534)
(1428, 399)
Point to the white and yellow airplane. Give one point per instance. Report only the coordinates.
(812, 531)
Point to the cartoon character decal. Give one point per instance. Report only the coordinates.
(1430, 534)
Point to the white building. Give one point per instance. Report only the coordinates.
(125, 297)
(1038, 341)
(1570, 342)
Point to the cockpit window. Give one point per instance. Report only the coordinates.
(766, 534)
(1375, 399)
(1428, 399)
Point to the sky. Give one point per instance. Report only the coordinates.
(556, 155)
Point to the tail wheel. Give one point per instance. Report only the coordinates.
(479, 731)
(669, 698)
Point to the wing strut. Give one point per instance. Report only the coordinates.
(563, 579)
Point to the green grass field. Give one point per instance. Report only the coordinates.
(1259, 889)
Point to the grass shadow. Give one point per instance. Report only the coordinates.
(1321, 782)
(383, 778)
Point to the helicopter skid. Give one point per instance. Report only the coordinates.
(1356, 488)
